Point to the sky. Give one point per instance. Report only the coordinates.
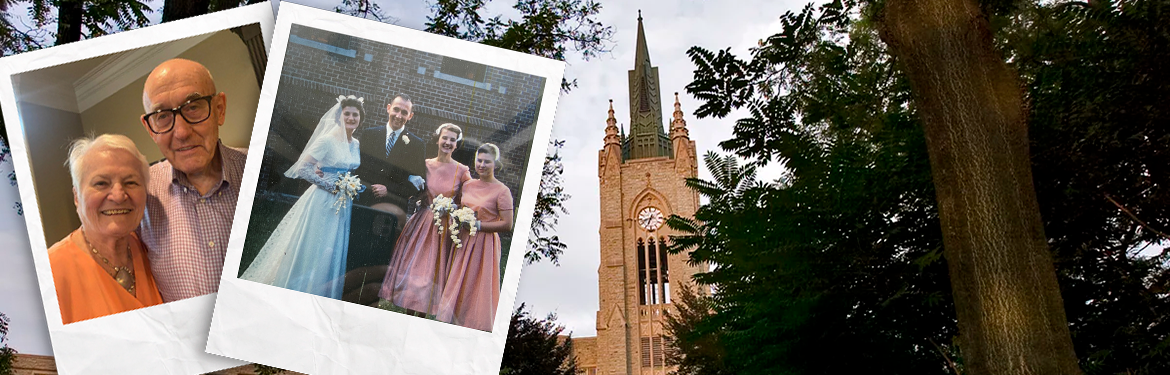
(569, 290)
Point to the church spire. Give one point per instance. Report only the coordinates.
(678, 126)
(646, 131)
(642, 65)
(611, 129)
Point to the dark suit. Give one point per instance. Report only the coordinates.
(405, 159)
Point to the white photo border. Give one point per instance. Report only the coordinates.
(317, 335)
(165, 338)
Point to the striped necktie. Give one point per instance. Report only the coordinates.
(390, 142)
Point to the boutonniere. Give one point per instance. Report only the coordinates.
(405, 140)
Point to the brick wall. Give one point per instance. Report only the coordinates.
(501, 109)
(32, 364)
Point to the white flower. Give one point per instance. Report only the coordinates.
(346, 187)
(464, 215)
(405, 140)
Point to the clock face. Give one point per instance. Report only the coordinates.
(650, 218)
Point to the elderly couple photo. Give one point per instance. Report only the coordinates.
(151, 234)
(444, 263)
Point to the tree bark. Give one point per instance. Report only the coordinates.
(1007, 301)
(69, 15)
(180, 9)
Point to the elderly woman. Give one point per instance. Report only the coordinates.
(101, 268)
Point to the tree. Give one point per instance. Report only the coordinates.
(543, 243)
(1010, 312)
(78, 19)
(546, 27)
(7, 353)
(844, 253)
(694, 350)
(14, 39)
(536, 347)
(1093, 77)
(180, 9)
(364, 9)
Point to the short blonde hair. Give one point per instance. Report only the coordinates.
(81, 147)
(494, 151)
(452, 127)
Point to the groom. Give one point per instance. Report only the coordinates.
(392, 161)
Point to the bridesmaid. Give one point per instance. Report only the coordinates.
(419, 265)
(473, 288)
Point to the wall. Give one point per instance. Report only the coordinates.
(226, 56)
(48, 132)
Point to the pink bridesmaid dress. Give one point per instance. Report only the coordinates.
(473, 288)
(419, 265)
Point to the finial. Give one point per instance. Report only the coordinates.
(639, 14)
(676, 97)
(610, 121)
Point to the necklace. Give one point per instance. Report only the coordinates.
(124, 276)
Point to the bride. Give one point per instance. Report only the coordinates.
(307, 250)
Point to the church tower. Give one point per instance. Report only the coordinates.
(642, 177)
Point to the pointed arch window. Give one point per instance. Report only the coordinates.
(641, 272)
(653, 280)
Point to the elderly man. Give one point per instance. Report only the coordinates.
(192, 194)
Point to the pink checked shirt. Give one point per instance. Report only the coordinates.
(186, 233)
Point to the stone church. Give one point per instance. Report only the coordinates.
(642, 176)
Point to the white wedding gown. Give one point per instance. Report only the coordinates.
(307, 251)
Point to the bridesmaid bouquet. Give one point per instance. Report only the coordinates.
(441, 205)
(347, 186)
(463, 215)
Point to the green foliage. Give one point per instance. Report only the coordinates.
(97, 18)
(536, 347)
(7, 353)
(1097, 87)
(843, 254)
(548, 28)
(698, 350)
(179, 9)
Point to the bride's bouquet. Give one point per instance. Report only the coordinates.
(446, 206)
(347, 187)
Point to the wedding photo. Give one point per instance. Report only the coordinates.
(390, 177)
(390, 173)
(130, 154)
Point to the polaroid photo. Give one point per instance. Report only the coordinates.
(385, 229)
(129, 151)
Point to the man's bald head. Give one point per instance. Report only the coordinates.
(175, 72)
(190, 144)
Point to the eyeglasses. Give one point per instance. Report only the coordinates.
(193, 111)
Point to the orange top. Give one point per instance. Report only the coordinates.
(85, 290)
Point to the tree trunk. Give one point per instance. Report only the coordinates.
(69, 21)
(1011, 317)
(180, 9)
